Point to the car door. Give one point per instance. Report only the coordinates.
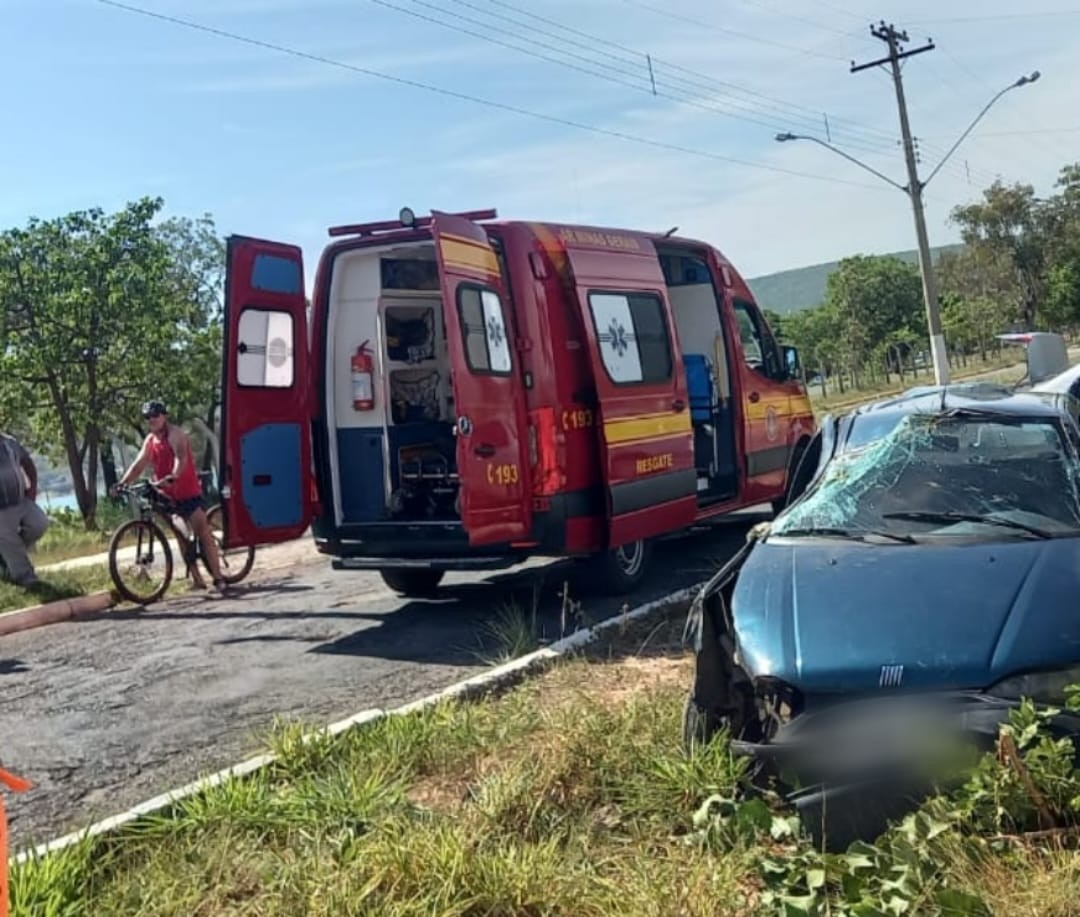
(766, 406)
(265, 473)
(489, 400)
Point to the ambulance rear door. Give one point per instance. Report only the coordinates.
(489, 400)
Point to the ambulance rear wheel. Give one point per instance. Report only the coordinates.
(419, 583)
(618, 571)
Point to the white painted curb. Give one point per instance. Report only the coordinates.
(485, 682)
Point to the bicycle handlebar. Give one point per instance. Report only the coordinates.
(140, 489)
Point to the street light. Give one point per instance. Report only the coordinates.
(1023, 81)
(783, 138)
(914, 190)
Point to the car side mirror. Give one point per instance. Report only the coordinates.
(792, 366)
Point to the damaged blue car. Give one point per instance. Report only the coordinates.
(923, 578)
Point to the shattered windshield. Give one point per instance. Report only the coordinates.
(955, 474)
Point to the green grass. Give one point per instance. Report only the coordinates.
(55, 585)
(1006, 369)
(569, 795)
(67, 537)
(566, 796)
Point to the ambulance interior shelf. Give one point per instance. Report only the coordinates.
(420, 429)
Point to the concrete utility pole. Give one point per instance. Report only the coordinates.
(914, 188)
(889, 35)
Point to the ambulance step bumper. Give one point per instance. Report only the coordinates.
(424, 563)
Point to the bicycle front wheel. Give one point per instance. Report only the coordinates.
(140, 561)
(236, 563)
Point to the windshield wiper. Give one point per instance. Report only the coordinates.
(928, 516)
(853, 534)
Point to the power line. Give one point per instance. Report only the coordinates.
(701, 81)
(809, 52)
(953, 168)
(466, 97)
(1034, 130)
(839, 9)
(998, 16)
(813, 23)
(976, 78)
(645, 84)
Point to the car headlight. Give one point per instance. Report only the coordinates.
(1041, 687)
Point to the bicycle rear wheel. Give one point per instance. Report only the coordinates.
(140, 561)
(236, 563)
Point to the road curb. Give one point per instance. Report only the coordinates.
(12, 622)
(488, 682)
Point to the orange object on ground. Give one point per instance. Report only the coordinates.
(16, 785)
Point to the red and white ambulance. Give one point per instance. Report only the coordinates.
(467, 393)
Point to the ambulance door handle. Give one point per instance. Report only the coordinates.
(485, 450)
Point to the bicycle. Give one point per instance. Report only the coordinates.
(145, 539)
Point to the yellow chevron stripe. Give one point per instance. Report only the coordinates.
(781, 407)
(628, 429)
(647, 440)
(465, 253)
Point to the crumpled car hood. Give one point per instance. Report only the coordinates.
(827, 616)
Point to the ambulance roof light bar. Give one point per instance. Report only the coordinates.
(406, 220)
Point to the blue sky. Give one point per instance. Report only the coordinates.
(103, 106)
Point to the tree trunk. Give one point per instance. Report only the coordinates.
(109, 473)
(93, 436)
(71, 446)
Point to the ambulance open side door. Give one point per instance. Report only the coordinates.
(267, 491)
(646, 437)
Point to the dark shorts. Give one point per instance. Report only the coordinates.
(187, 508)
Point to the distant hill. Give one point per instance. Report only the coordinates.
(804, 287)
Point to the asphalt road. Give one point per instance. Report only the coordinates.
(105, 713)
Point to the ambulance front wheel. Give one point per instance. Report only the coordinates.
(618, 571)
(415, 583)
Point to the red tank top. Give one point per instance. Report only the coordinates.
(163, 458)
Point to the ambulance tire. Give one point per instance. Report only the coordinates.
(616, 572)
(415, 583)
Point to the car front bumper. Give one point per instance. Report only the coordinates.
(852, 767)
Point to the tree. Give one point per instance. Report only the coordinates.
(100, 312)
(874, 299)
(1009, 222)
(777, 323)
(979, 293)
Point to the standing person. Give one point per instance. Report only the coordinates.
(22, 521)
(168, 451)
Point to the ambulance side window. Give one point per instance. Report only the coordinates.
(266, 356)
(759, 349)
(632, 331)
(487, 346)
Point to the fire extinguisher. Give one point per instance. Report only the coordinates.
(363, 385)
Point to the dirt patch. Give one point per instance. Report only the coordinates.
(657, 634)
(438, 792)
(611, 684)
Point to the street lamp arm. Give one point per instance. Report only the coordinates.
(1023, 81)
(862, 165)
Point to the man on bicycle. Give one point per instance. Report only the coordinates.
(168, 451)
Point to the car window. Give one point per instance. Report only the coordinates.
(979, 466)
(759, 349)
